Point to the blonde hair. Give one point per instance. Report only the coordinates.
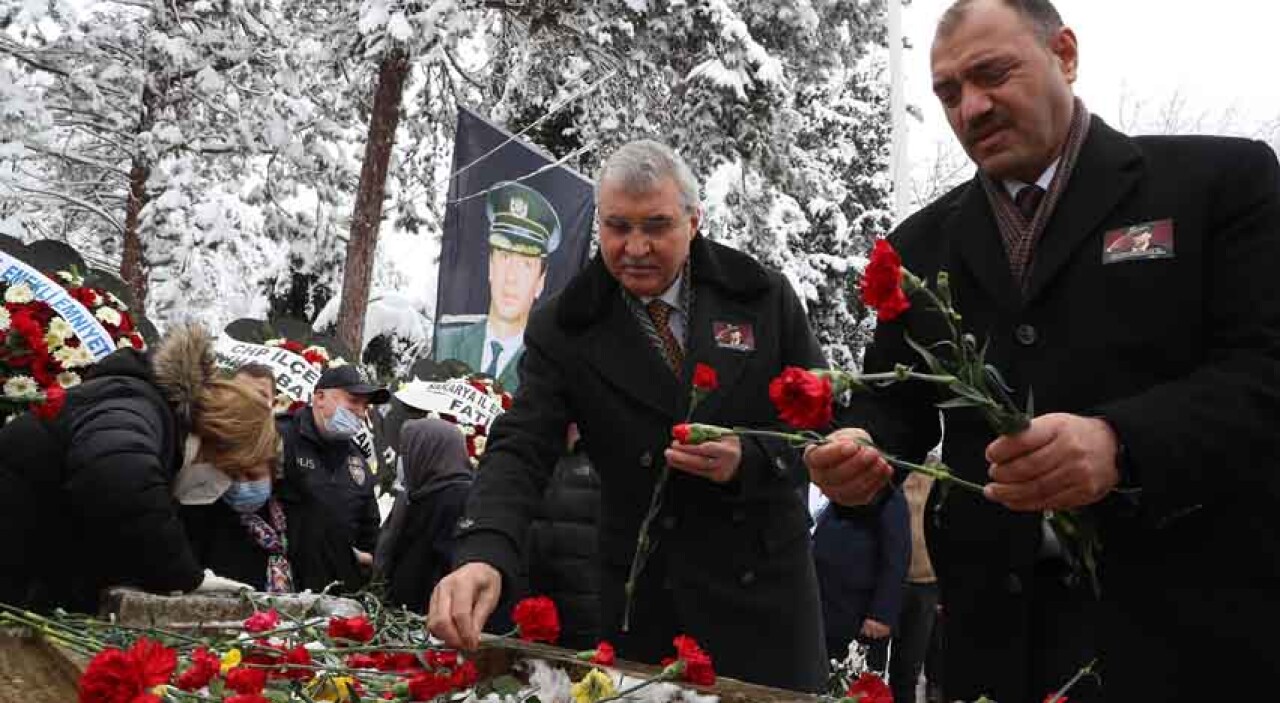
(236, 427)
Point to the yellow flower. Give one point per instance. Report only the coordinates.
(595, 686)
(230, 660)
(333, 689)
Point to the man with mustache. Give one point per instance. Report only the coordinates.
(615, 352)
(1156, 421)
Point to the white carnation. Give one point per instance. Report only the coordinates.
(73, 357)
(109, 316)
(19, 293)
(21, 387)
(61, 329)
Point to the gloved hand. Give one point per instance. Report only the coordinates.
(214, 583)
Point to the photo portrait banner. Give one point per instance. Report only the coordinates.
(514, 235)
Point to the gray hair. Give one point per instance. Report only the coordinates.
(641, 165)
(1040, 14)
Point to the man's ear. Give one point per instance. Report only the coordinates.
(1065, 47)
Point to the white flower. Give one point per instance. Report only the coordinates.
(61, 329)
(52, 341)
(19, 293)
(479, 443)
(273, 342)
(67, 379)
(118, 303)
(124, 343)
(71, 278)
(21, 387)
(4, 320)
(109, 316)
(336, 362)
(73, 357)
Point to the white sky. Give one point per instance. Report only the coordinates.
(1218, 56)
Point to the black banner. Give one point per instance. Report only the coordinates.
(513, 236)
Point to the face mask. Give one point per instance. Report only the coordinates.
(343, 425)
(247, 496)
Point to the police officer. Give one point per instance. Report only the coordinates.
(322, 460)
(523, 230)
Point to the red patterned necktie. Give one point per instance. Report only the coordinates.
(1028, 201)
(660, 312)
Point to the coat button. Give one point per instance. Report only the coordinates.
(668, 522)
(1025, 334)
(646, 459)
(748, 578)
(780, 464)
(1013, 584)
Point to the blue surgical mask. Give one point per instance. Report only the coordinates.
(247, 496)
(343, 425)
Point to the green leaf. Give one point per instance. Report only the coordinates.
(958, 403)
(506, 685)
(929, 359)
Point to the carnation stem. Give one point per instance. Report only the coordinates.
(664, 675)
(938, 472)
(1061, 695)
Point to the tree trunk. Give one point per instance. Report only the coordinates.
(363, 242)
(133, 266)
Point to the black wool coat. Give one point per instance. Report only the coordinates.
(733, 566)
(84, 499)
(1180, 354)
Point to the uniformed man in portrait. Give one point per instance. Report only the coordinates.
(523, 231)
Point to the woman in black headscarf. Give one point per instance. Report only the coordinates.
(416, 547)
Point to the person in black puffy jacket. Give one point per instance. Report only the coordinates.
(564, 548)
(86, 500)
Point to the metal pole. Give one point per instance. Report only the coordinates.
(898, 114)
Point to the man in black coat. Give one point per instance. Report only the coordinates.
(1157, 418)
(614, 352)
(321, 459)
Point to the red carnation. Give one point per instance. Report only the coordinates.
(1055, 698)
(427, 685)
(869, 688)
(803, 398)
(537, 620)
(400, 662)
(697, 663)
(464, 676)
(441, 658)
(204, 666)
(295, 347)
(262, 621)
(705, 378)
(682, 432)
(54, 398)
(882, 283)
(246, 681)
(364, 661)
(300, 659)
(357, 629)
(604, 656)
(314, 357)
(129, 676)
